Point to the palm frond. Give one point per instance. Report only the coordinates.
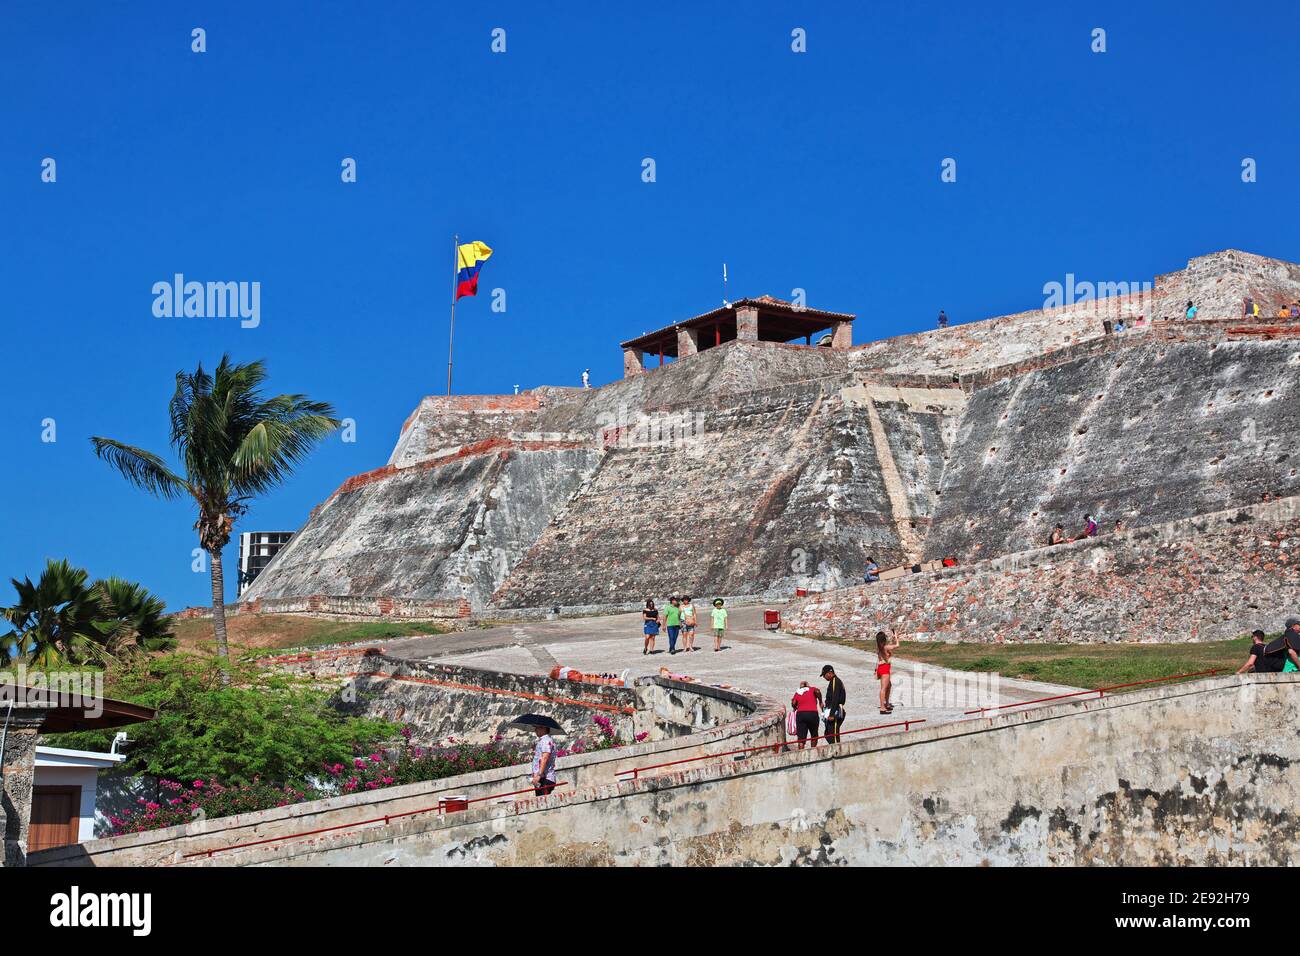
(141, 468)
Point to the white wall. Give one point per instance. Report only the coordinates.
(83, 777)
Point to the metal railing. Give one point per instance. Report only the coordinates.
(775, 748)
(1099, 691)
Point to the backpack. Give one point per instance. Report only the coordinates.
(1275, 657)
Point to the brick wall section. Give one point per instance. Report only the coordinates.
(442, 423)
(1212, 577)
(345, 606)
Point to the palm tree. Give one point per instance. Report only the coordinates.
(140, 619)
(61, 620)
(57, 620)
(233, 444)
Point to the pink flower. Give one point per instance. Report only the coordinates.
(198, 784)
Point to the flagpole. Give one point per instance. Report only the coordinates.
(455, 271)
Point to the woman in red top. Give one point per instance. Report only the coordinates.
(884, 651)
(807, 704)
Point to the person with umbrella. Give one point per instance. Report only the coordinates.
(542, 772)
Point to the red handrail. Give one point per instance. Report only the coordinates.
(1099, 691)
(440, 808)
(636, 771)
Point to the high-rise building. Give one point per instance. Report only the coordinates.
(256, 549)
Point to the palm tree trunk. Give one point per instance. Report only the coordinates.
(219, 602)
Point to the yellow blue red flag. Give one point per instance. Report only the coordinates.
(470, 257)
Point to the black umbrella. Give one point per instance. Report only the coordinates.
(533, 721)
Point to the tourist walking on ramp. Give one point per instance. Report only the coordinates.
(884, 652)
(807, 704)
(543, 768)
(649, 626)
(835, 700)
(719, 623)
(673, 622)
(688, 624)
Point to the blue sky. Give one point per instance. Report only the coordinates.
(817, 170)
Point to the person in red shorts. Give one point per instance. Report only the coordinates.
(884, 651)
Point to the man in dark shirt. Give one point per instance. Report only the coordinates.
(1255, 661)
(835, 699)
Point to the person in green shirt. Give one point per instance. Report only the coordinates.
(719, 623)
(673, 621)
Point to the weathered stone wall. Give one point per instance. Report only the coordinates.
(451, 531)
(19, 768)
(771, 489)
(349, 607)
(1212, 577)
(1197, 774)
(1217, 283)
(443, 423)
(1145, 434)
(439, 701)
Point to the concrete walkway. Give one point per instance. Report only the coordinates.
(753, 659)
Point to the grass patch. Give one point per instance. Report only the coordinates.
(1076, 665)
(276, 631)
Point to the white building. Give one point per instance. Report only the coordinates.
(63, 795)
(256, 549)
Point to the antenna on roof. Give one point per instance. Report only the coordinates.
(724, 285)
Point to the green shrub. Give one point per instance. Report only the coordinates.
(262, 723)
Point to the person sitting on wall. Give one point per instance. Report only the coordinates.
(1089, 527)
(1255, 659)
(943, 319)
(1295, 310)
(1119, 525)
(1119, 326)
(1280, 653)
(1282, 311)
(1058, 535)
(873, 571)
(1191, 310)
(1291, 637)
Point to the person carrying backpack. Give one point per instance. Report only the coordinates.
(1291, 641)
(1280, 653)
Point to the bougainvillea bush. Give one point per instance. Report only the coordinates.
(407, 763)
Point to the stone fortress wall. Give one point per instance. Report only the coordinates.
(758, 467)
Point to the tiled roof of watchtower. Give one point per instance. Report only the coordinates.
(778, 321)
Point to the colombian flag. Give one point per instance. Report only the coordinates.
(469, 259)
